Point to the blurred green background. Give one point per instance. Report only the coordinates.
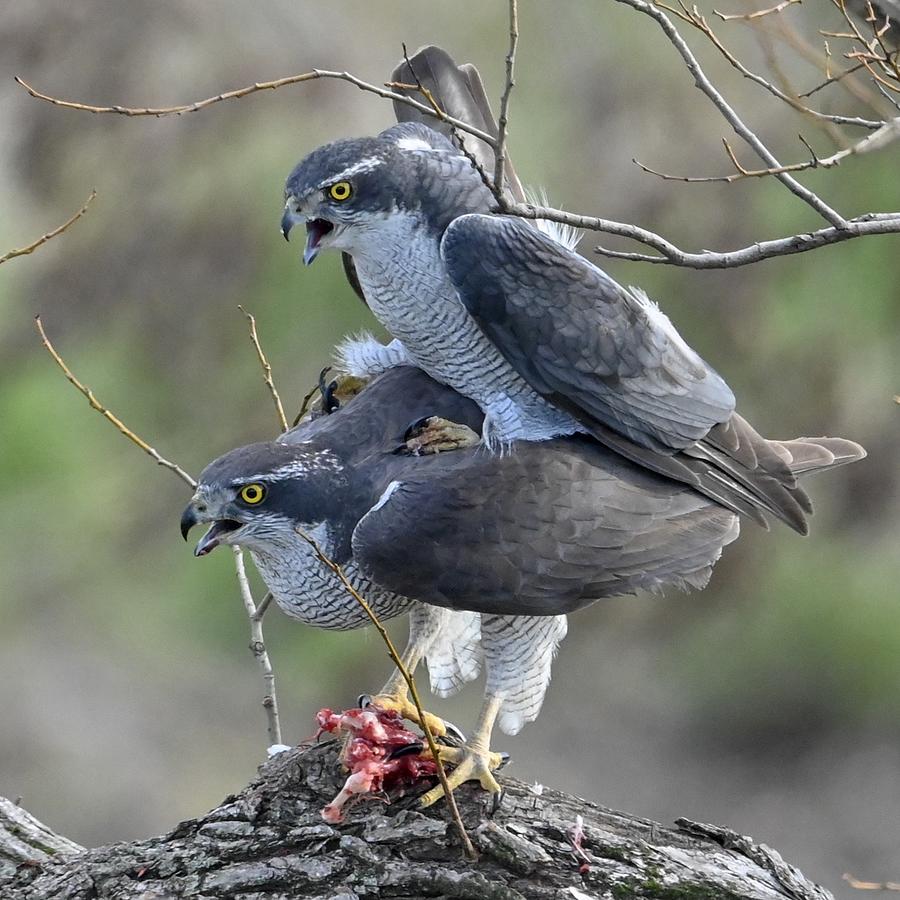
(128, 699)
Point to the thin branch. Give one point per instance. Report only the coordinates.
(109, 416)
(503, 121)
(24, 251)
(832, 79)
(707, 87)
(410, 683)
(694, 18)
(267, 370)
(253, 89)
(747, 17)
(254, 613)
(258, 647)
(869, 224)
(888, 133)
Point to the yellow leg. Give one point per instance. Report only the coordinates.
(474, 761)
(395, 694)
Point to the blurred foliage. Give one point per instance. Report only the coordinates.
(128, 698)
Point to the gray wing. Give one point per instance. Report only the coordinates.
(575, 334)
(607, 355)
(544, 530)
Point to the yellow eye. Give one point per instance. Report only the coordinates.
(340, 191)
(253, 493)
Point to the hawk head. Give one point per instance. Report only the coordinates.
(349, 193)
(258, 496)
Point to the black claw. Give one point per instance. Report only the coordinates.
(504, 758)
(454, 733)
(364, 701)
(329, 402)
(496, 803)
(413, 749)
(417, 426)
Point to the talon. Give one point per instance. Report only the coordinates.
(407, 709)
(329, 402)
(471, 764)
(415, 749)
(497, 800)
(363, 700)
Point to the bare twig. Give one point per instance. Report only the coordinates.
(694, 18)
(24, 251)
(253, 89)
(503, 121)
(258, 647)
(267, 370)
(747, 17)
(888, 133)
(410, 683)
(109, 416)
(254, 612)
(707, 87)
(871, 223)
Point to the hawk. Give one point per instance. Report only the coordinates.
(510, 542)
(544, 341)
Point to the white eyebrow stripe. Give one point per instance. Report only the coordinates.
(414, 144)
(363, 165)
(323, 461)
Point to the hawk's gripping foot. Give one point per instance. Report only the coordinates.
(435, 435)
(471, 764)
(400, 703)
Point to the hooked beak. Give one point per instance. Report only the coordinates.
(219, 530)
(288, 221)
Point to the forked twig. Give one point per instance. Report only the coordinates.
(885, 135)
(24, 251)
(258, 646)
(267, 370)
(410, 683)
(197, 105)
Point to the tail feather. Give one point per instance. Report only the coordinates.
(805, 455)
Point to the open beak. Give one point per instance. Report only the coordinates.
(219, 530)
(316, 229)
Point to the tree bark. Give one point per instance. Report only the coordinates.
(270, 843)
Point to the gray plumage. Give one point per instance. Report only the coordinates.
(545, 342)
(541, 531)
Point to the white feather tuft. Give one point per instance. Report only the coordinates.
(364, 357)
(566, 235)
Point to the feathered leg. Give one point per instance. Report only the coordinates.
(519, 653)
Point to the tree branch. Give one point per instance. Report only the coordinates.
(270, 842)
(197, 105)
(267, 370)
(707, 87)
(24, 251)
(503, 121)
